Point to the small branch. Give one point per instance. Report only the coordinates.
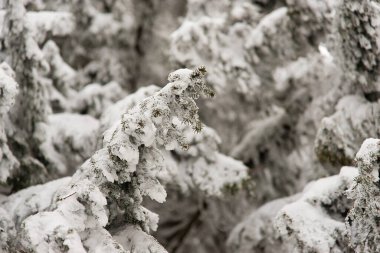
(69, 195)
(187, 230)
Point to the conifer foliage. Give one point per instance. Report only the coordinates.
(97, 154)
(108, 189)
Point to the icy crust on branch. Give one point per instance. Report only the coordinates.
(108, 188)
(363, 219)
(341, 134)
(315, 222)
(199, 168)
(8, 92)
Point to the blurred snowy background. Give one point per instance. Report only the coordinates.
(208, 126)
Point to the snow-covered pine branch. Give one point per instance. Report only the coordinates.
(108, 189)
(201, 168)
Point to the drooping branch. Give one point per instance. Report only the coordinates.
(110, 186)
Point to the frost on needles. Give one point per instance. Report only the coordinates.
(364, 218)
(105, 195)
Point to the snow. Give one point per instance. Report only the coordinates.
(315, 227)
(348, 173)
(361, 221)
(63, 74)
(7, 230)
(369, 152)
(39, 226)
(266, 26)
(100, 240)
(134, 239)
(95, 97)
(8, 88)
(33, 52)
(8, 91)
(214, 178)
(348, 127)
(32, 200)
(257, 230)
(327, 189)
(153, 189)
(114, 112)
(325, 52)
(85, 203)
(296, 95)
(312, 226)
(74, 134)
(56, 23)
